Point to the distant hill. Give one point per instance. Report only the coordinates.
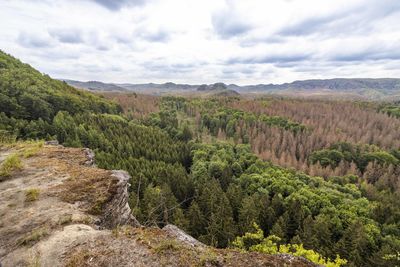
(227, 93)
(217, 89)
(212, 87)
(154, 87)
(384, 88)
(95, 85)
(363, 88)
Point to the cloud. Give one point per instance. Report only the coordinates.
(67, 35)
(235, 41)
(228, 27)
(155, 36)
(122, 37)
(163, 68)
(31, 40)
(307, 26)
(353, 19)
(374, 54)
(270, 58)
(115, 5)
(228, 23)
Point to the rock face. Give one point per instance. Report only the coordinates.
(117, 211)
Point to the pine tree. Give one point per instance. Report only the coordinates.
(196, 218)
(248, 214)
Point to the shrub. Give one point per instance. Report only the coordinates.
(257, 242)
(7, 138)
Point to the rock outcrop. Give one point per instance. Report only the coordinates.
(117, 212)
(61, 210)
(180, 235)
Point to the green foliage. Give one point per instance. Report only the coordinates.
(361, 155)
(29, 100)
(167, 118)
(295, 207)
(327, 157)
(28, 94)
(255, 241)
(155, 161)
(6, 137)
(215, 117)
(391, 109)
(229, 120)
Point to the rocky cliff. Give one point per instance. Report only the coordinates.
(58, 209)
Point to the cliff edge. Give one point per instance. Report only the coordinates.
(58, 209)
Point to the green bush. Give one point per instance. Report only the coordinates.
(269, 245)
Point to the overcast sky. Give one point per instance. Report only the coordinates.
(204, 41)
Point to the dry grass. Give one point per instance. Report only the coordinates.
(34, 236)
(13, 162)
(32, 194)
(92, 187)
(154, 247)
(34, 260)
(32, 148)
(167, 245)
(65, 219)
(78, 259)
(10, 164)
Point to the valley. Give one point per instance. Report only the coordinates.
(315, 180)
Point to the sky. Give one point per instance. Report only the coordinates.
(204, 41)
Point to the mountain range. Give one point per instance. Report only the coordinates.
(366, 88)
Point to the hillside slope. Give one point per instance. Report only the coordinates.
(27, 94)
(59, 209)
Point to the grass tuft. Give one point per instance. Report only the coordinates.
(10, 164)
(32, 149)
(33, 237)
(167, 245)
(65, 219)
(32, 194)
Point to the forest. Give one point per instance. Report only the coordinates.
(315, 178)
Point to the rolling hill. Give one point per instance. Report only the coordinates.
(95, 85)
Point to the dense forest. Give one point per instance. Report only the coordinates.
(276, 175)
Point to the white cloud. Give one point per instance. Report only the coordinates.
(192, 41)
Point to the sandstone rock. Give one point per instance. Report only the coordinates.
(180, 235)
(117, 211)
(52, 143)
